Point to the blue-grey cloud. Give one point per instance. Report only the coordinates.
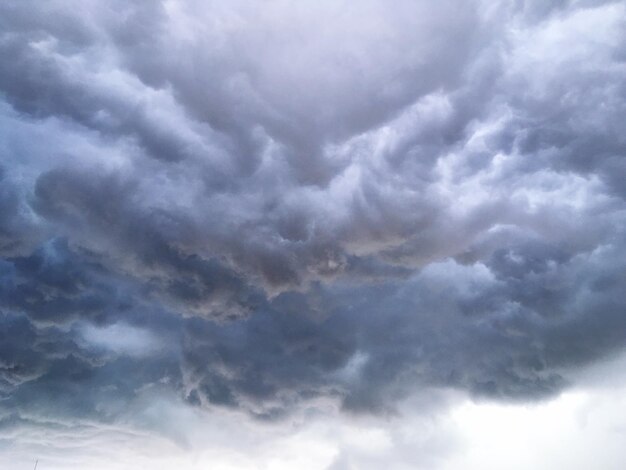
(307, 203)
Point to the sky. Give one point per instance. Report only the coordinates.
(327, 235)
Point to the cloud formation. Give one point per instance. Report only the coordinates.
(307, 205)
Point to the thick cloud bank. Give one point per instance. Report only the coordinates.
(280, 206)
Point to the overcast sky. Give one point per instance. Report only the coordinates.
(335, 235)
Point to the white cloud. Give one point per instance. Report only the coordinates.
(122, 339)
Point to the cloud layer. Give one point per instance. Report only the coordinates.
(276, 206)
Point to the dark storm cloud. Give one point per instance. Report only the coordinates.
(149, 243)
(48, 362)
(515, 335)
(311, 202)
(17, 232)
(55, 285)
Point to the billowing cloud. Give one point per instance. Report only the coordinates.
(276, 208)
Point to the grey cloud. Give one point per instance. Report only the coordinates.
(19, 364)
(17, 231)
(55, 373)
(335, 223)
(310, 204)
(471, 328)
(285, 91)
(54, 285)
(146, 243)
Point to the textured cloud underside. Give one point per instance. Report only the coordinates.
(271, 205)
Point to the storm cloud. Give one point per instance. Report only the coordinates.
(271, 207)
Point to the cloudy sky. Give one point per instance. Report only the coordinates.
(327, 235)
